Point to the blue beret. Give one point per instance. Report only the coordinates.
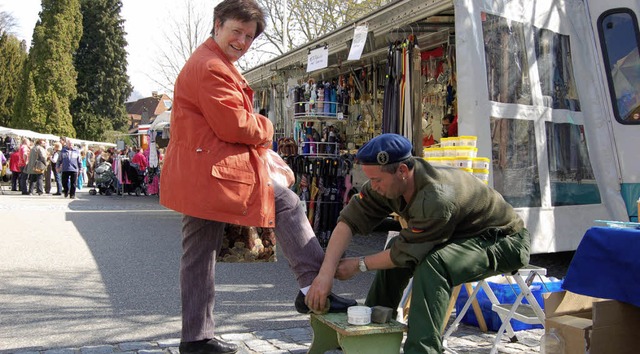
(384, 149)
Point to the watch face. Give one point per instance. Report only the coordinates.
(362, 265)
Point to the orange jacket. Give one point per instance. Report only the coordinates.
(212, 167)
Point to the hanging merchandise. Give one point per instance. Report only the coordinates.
(439, 94)
(322, 185)
(397, 104)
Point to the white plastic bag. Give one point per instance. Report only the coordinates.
(278, 169)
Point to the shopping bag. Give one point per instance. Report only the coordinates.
(278, 169)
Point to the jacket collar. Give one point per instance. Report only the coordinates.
(214, 47)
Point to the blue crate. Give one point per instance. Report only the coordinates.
(506, 294)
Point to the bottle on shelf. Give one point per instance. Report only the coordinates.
(551, 342)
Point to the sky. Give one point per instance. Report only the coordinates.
(145, 23)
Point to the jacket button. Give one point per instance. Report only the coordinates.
(270, 222)
(244, 212)
(269, 184)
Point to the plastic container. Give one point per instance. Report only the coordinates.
(432, 152)
(463, 162)
(449, 151)
(445, 142)
(359, 315)
(482, 174)
(454, 141)
(467, 140)
(481, 163)
(434, 161)
(448, 161)
(552, 342)
(468, 151)
(470, 170)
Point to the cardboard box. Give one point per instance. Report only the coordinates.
(591, 325)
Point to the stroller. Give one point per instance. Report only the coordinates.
(135, 178)
(105, 180)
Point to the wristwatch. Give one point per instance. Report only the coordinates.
(362, 265)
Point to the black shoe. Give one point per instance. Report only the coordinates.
(56, 194)
(208, 346)
(336, 303)
(66, 194)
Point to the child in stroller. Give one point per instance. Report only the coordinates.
(105, 179)
(133, 178)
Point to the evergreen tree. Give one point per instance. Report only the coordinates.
(49, 77)
(101, 62)
(13, 54)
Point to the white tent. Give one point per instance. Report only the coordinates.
(26, 133)
(162, 120)
(49, 137)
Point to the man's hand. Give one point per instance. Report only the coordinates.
(320, 289)
(347, 268)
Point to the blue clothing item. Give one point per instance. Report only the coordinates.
(69, 160)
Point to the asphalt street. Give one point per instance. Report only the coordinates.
(104, 269)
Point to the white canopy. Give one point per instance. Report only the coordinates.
(26, 133)
(162, 120)
(49, 137)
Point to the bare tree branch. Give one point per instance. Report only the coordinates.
(183, 35)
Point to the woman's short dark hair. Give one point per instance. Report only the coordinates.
(241, 10)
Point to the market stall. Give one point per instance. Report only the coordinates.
(517, 77)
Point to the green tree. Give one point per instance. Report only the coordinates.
(13, 54)
(101, 62)
(49, 77)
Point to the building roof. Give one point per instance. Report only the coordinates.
(145, 110)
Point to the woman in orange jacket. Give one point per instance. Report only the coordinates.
(214, 174)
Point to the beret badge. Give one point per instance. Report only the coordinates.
(382, 158)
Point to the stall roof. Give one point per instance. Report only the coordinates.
(430, 20)
(26, 133)
(34, 135)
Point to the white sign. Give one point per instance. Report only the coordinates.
(359, 40)
(318, 59)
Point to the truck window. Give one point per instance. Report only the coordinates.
(570, 172)
(506, 60)
(618, 31)
(515, 162)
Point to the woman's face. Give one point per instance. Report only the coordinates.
(235, 37)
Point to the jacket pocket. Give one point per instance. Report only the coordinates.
(233, 187)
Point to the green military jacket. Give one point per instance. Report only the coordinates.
(449, 203)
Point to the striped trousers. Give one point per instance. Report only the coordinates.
(202, 241)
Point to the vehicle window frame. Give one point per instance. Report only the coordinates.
(604, 49)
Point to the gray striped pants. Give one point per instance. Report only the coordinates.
(202, 240)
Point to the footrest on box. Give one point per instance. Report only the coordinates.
(332, 331)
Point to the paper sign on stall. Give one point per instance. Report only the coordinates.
(359, 40)
(318, 59)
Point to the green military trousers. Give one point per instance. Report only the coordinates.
(447, 265)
